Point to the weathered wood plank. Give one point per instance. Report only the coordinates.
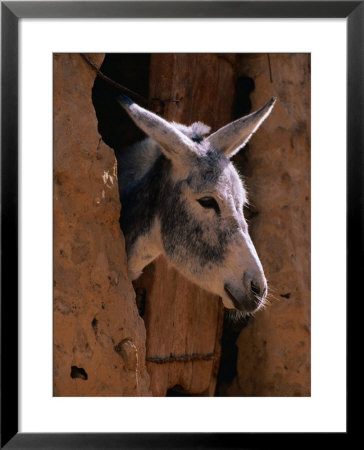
(180, 318)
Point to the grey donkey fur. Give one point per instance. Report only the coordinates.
(182, 197)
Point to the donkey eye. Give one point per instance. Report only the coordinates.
(209, 203)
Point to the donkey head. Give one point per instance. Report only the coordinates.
(200, 217)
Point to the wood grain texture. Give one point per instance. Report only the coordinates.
(180, 318)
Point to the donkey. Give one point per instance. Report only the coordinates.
(182, 197)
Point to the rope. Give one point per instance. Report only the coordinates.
(181, 358)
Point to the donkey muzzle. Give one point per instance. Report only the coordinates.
(251, 297)
(255, 284)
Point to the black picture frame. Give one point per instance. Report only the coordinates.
(11, 12)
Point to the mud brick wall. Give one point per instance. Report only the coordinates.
(274, 348)
(99, 337)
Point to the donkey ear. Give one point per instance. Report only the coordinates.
(232, 137)
(172, 141)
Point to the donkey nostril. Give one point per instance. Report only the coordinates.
(255, 288)
(255, 285)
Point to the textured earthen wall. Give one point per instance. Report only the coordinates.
(99, 338)
(97, 329)
(274, 349)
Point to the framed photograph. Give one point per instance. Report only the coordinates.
(171, 173)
